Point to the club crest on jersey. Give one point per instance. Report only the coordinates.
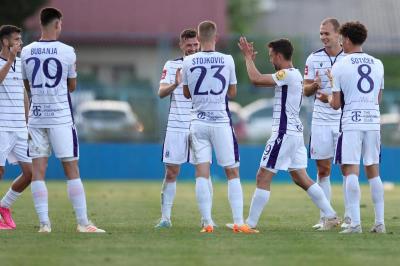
(278, 140)
(163, 74)
(166, 154)
(321, 64)
(280, 75)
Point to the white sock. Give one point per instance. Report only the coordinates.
(353, 194)
(317, 196)
(235, 196)
(76, 194)
(258, 202)
(325, 184)
(40, 200)
(210, 187)
(167, 199)
(9, 198)
(377, 196)
(346, 203)
(203, 197)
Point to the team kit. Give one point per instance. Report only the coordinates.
(36, 119)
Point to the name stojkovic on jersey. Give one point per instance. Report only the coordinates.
(47, 65)
(12, 112)
(208, 75)
(179, 112)
(360, 109)
(287, 102)
(323, 114)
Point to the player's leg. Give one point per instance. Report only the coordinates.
(260, 196)
(201, 152)
(227, 154)
(5, 148)
(64, 141)
(168, 192)
(13, 193)
(17, 155)
(371, 158)
(39, 150)
(348, 154)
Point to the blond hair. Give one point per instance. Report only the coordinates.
(207, 30)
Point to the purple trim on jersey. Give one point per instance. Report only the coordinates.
(162, 150)
(283, 117)
(342, 108)
(188, 156)
(75, 141)
(273, 157)
(235, 143)
(70, 107)
(338, 156)
(47, 41)
(309, 148)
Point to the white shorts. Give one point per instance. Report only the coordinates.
(284, 152)
(352, 145)
(176, 148)
(63, 141)
(14, 147)
(204, 138)
(323, 142)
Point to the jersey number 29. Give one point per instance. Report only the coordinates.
(37, 64)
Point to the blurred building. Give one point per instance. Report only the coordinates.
(120, 39)
(302, 18)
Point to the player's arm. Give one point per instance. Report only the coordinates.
(186, 92)
(335, 100)
(26, 105)
(71, 84)
(166, 89)
(255, 76)
(10, 61)
(232, 91)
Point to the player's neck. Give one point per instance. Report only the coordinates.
(333, 51)
(207, 46)
(48, 36)
(355, 49)
(286, 65)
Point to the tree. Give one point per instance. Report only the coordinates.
(242, 15)
(15, 12)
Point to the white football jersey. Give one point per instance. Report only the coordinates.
(287, 102)
(12, 111)
(47, 65)
(323, 114)
(208, 76)
(359, 77)
(179, 111)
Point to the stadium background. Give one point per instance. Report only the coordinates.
(122, 45)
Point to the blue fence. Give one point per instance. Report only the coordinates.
(143, 162)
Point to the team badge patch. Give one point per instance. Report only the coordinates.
(163, 74)
(280, 75)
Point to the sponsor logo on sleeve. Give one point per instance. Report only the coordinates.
(164, 74)
(280, 75)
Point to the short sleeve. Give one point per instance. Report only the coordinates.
(232, 78)
(309, 71)
(281, 77)
(184, 72)
(72, 65)
(165, 74)
(335, 72)
(383, 77)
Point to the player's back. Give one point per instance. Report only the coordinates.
(208, 76)
(47, 65)
(287, 102)
(360, 78)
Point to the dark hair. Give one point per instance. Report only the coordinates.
(7, 30)
(188, 34)
(335, 23)
(48, 14)
(355, 31)
(282, 46)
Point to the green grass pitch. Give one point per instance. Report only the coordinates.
(129, 210)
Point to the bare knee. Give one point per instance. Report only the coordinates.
(232, 172)
(171, 173)
(324, 168)
(263, 180)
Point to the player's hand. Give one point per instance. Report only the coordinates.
(178, 77)
(323, 97)
(247, 48)
(14, 50)
(317, 80)
(330, 77)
